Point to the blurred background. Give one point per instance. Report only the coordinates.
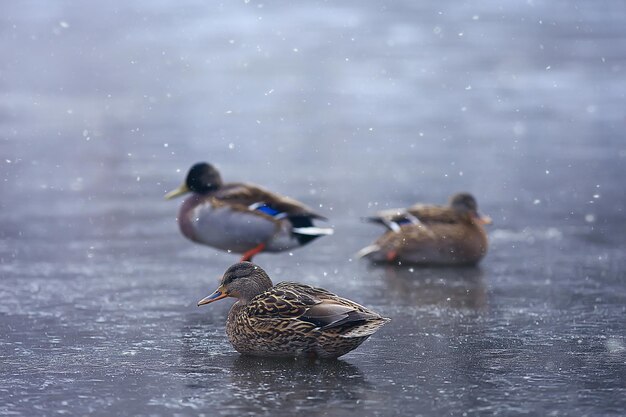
(350, 107)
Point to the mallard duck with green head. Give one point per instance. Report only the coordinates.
(426, 234)
(240, 217)
(290, 319)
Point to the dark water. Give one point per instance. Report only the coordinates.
(350, 107)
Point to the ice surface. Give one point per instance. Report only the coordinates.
(384, 104)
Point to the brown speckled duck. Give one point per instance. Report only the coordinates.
(290, 319)
(436, 235)
(242, 218)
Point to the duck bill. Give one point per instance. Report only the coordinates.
(217, 295)
(183, 189)
(484, 220)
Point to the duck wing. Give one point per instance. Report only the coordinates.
(392, 219)
(418, 214)
(434, 214)
(323, 309)
(253, 197)
(328, 315)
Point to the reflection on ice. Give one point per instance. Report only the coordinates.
(461, 288)
(220, 378)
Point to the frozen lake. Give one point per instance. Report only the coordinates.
(350, 107)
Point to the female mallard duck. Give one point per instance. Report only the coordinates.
(290, 319)
(242, 218)
(421, 234)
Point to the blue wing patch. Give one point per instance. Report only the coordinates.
(264, 208)
(403, 221)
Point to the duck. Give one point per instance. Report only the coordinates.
(433, 235)
(290, 319)
(240, 217)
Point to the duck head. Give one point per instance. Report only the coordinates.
(202, 178)
(243, 280)
(466, 203)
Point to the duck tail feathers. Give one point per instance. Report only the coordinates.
(306, 234)
(313, 231)
(366, 329)
(367, 251)
(372, 219)
(388, 223)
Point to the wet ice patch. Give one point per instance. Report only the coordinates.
(615, 345)
(529, 235)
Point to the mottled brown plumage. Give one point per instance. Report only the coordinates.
(243, 195)
(240, 217)
(421, 234)
(290, 319)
